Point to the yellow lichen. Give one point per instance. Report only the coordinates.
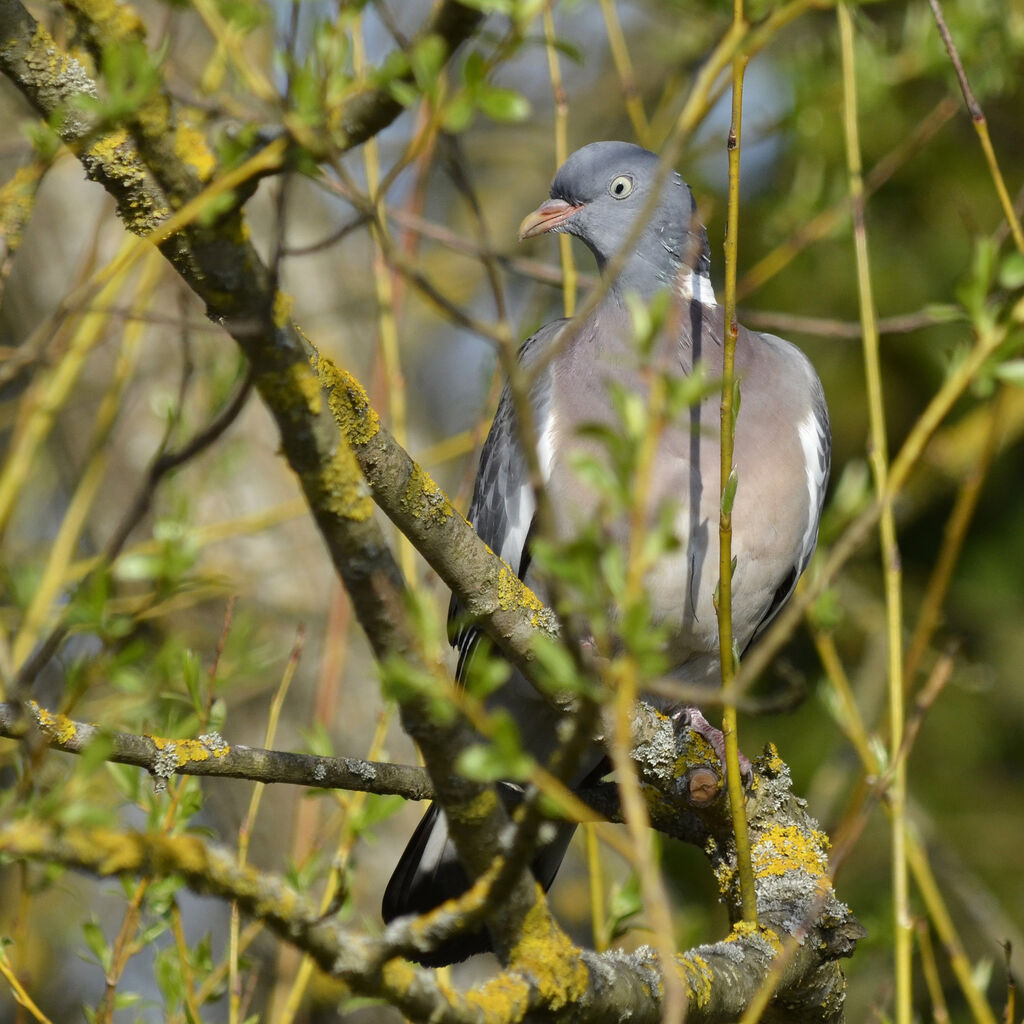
(398, 975)
(773, 763)
(698, 752)
(725, 876)
(783, 848)
(106, 147)
(349, 403)
(343, 488)
(112, 157)
(503, 999)
(17, 200)
(307, 384)
(59, 727)
(698, 977)
(513, 593)
(545, 953)
(190, 147)
(480, 807)
(190, 751)
(745, 929)
(113, 21)
(282, 311)
(423, 499)
(296, 388)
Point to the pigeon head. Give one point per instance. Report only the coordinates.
(599, 194)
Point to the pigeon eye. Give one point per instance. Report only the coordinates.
(621, 186)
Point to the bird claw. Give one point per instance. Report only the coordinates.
(691, 718)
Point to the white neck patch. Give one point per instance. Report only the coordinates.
(695, 287)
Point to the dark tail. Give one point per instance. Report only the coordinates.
(429, 873)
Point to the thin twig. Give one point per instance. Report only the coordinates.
(561, 102)
(954, 536)
(980, 126)
(164, 463)
(727, 471)
(879, 459)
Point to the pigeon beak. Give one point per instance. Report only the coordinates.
(551, 214)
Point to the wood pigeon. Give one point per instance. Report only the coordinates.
(782, 450)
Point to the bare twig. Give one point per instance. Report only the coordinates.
(878, 456)
(980, 126)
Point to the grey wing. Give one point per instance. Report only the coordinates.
(503, 507)
(815, 436)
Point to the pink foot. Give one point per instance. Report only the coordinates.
(691, 718)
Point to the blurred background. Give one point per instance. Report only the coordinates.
(222, 592)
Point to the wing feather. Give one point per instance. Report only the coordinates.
(503, 507)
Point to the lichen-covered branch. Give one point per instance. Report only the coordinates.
(220, 264)
(491, 592)
(211, 755)
(803, 928)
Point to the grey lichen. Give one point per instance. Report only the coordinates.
(213, 741)
(60, 78)
(164, 765)
(365, 771)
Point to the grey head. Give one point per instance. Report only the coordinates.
(599, 194)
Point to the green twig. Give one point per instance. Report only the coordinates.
(624, 68)
(734, 780)
(561, 101)
(878, 457)
(954, 536)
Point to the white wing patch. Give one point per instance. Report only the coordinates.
(812, 439)
(521, 506)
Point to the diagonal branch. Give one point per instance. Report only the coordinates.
(220, 264)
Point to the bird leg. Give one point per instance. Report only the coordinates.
(690, 717)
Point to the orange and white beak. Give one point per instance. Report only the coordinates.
(552, 213)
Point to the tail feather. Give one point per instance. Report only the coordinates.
(429, 872)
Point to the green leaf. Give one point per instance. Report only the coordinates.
(484, 673)
(639, 317)
(457, 114)
(427, 58)
(404, 92)
(97, 943)
(827, 611)
(1011, 271)
(942, 312)
(1011, 372)
(503, 104)
(973, 292)
(492, 6)
(168, 973)
(484, 763)
(376, 808)
(624, 905)
(502, 758)
(474, 71)
(729, 492)
(402, 681)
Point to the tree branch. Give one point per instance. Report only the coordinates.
(804, 928)
(221, 265)
(211, 755)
